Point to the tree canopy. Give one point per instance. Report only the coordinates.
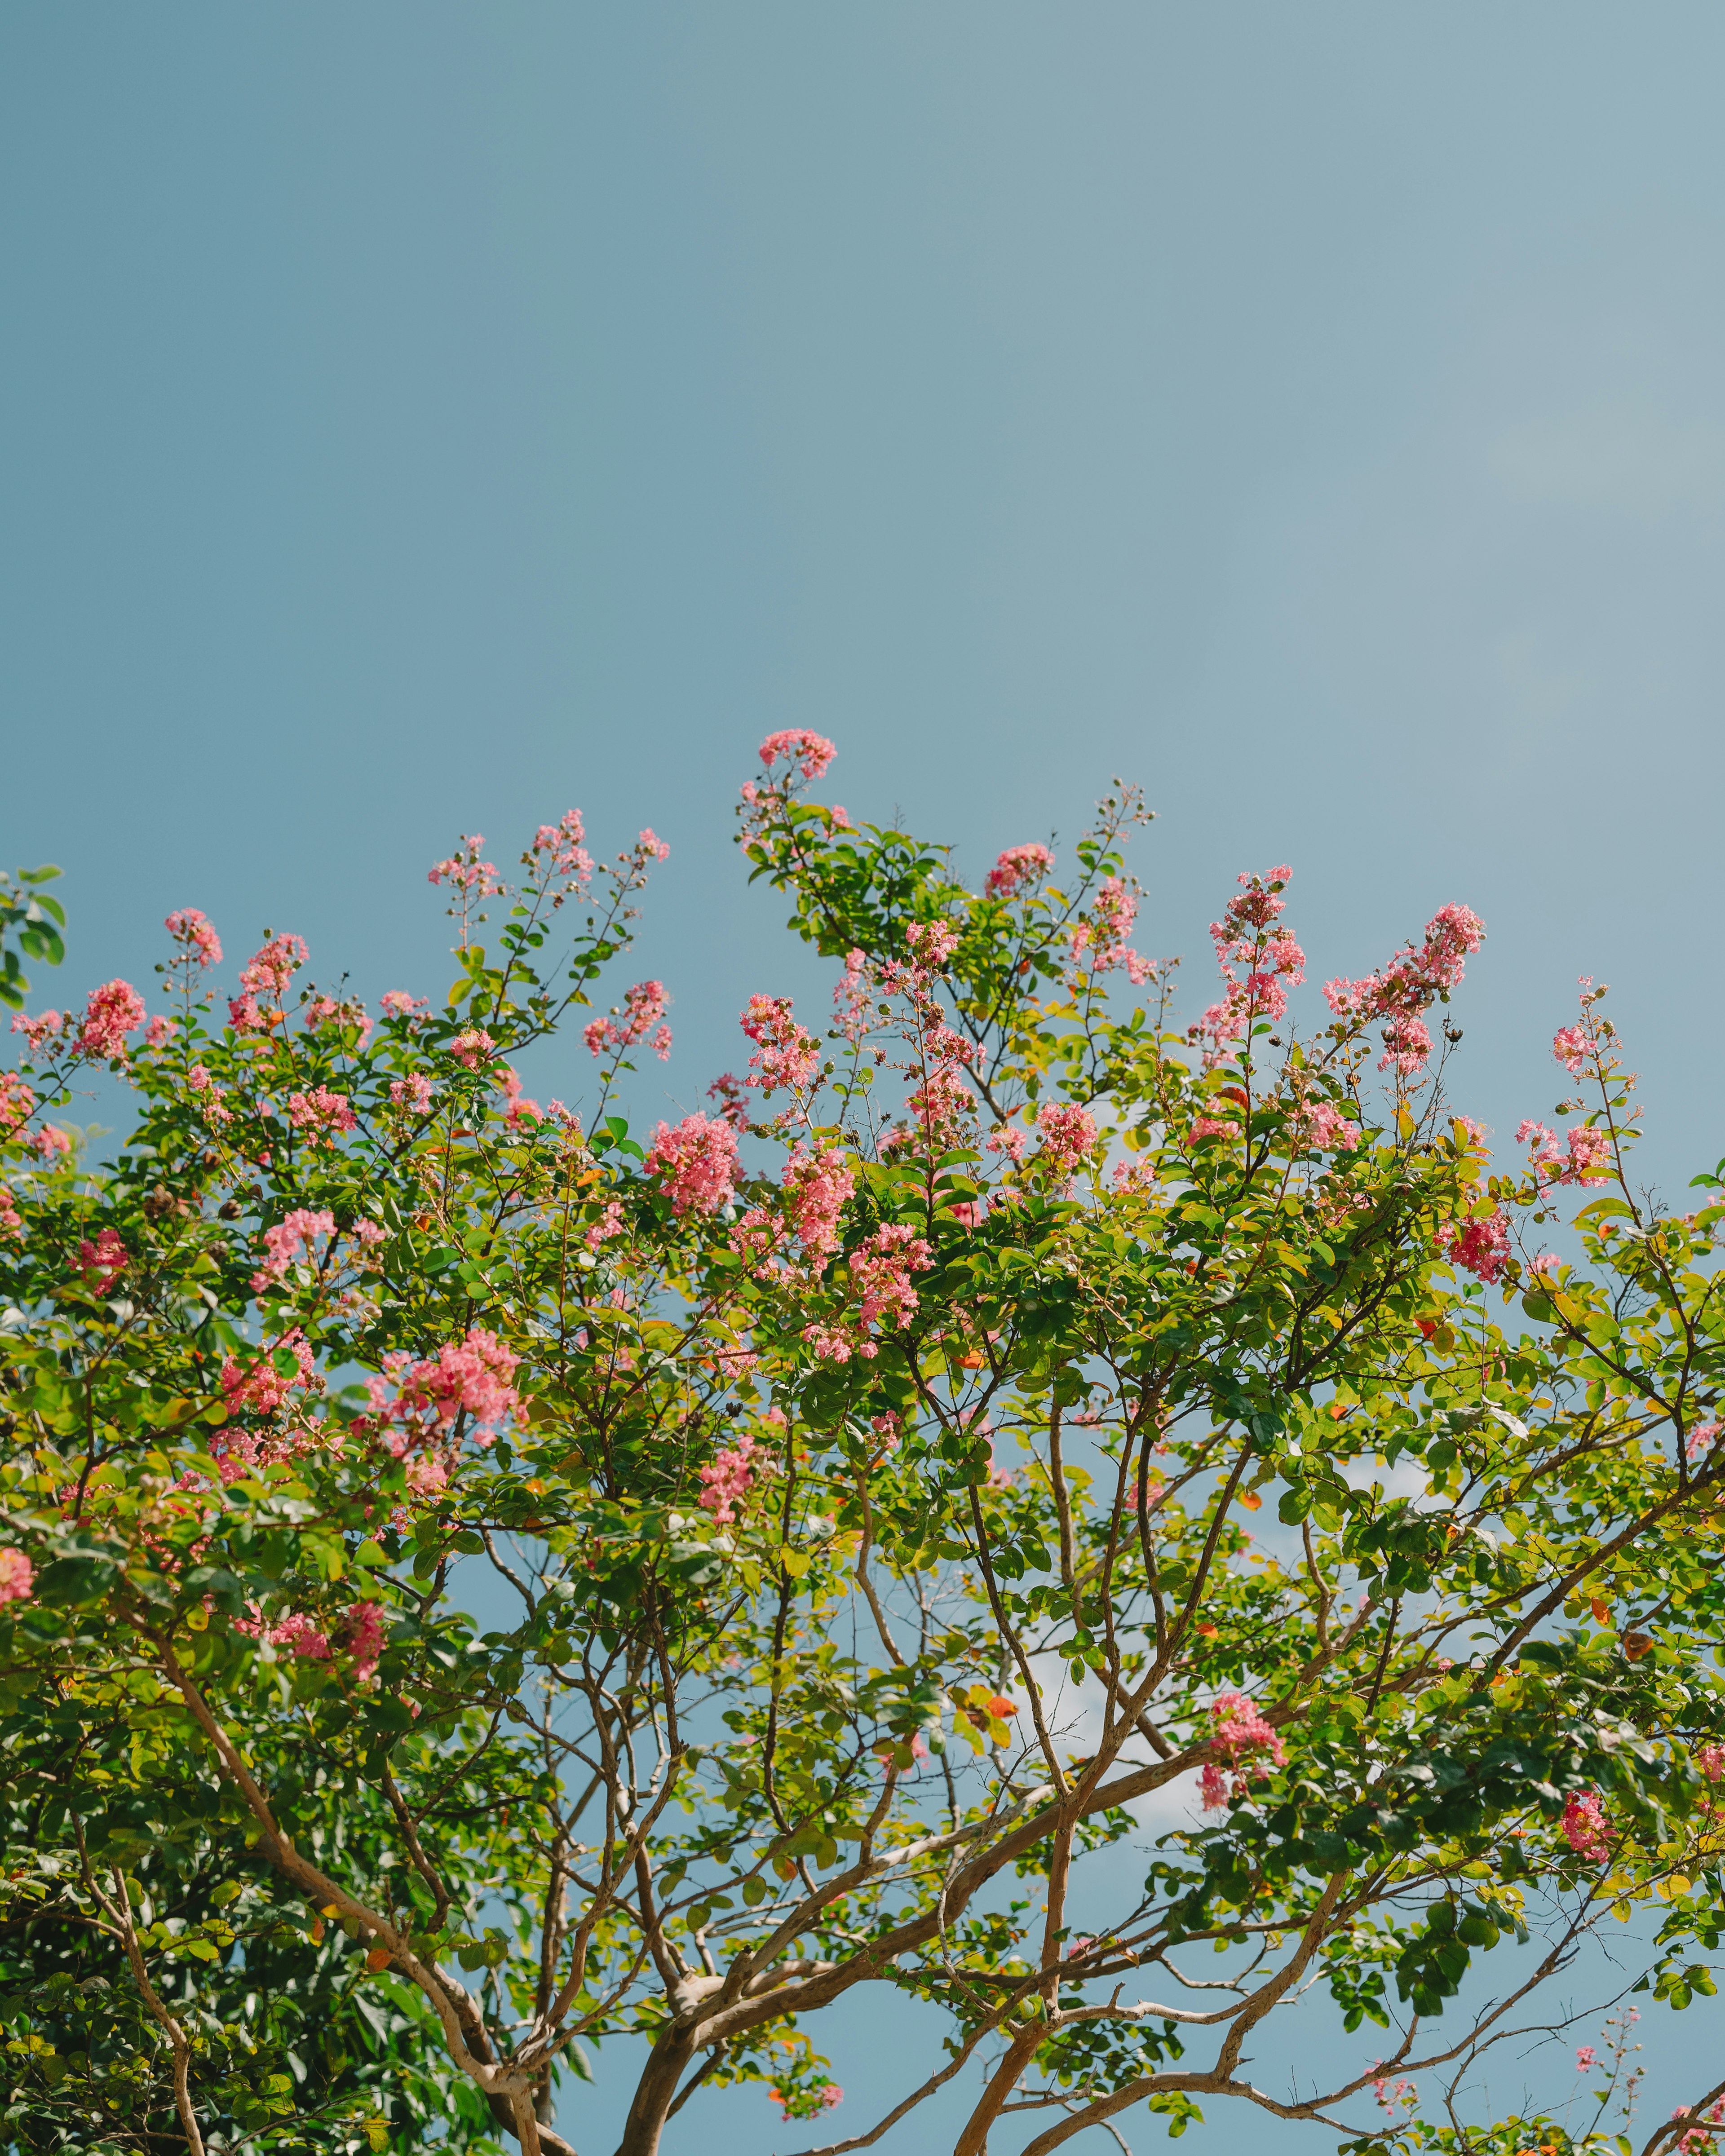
(480, 1581)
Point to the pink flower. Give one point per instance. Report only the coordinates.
(320, 1116)
(643, 1007)
(1008, 1140)
(114, 1010)
(1585, 1157)
(1586, 2056)
(1711, 1761)
(1258, 960)
(11, 1226)
(397, 1002)
(474, 1047)
(259, 1386)
(653, 846)
(102, 1261)
(880, 1270)
(469, 1377)
(1019, 865)
(1243, 1743)
(324, 1010)
(797, 743)
(300, 1634)
(285, 1242)
(609, 1224)
(159, 1032)
(45, 1026)
(364, 1640)
(697, 1161)
(1701, 1438)
(560, 847)
(18, 1103)
(785, 1054)
(466, 871)
(412, 1092)
(726, 1480)
(52, 1141)
(1326, 1129)
(1480, 1246)
(272, 969)
(1409, 984)
(818, 1188)
(189, 928)
(1585, 1827)
(1068, 1134)
(18, 1576)
(1570, 1045)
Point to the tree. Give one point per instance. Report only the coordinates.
(874, 1472)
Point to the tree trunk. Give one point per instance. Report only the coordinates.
(655, 2093)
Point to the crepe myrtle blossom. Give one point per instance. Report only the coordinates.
(1322, 1127)
(260, 1386)
(521, 1109)
(18, 1103)
(1258, 960)
(1016, 866)
(1570, 1045)
(1702, 1439)
(102, 1262)
(51, 1141)
(466, 871)
(641, 1009)
(321, 1116)
(397, 1002)
(880, 1270)
(192, 931)
(1585, 2056)
(1242, 1749)
(1710, 1761)
(469, 1377)
(474, 1047)
(785, 1052)
(287, 1241)
(1416, 977)
(1068, 1134)
(114, 1010)
(46, 1025)
(1480, 1247)
(830, 2095)
(796, 745)
(558, 850)
(18, 1576)
(726, 1480)
(1585, 1827)
(696, 1163)
(1583, 1155)
(412, 1093)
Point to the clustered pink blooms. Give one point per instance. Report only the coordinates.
(785, 1052)
(114, 1010)
(817, 1188)
(1585, 1827)
(1480, 1246)
(466, 871)
(798, 744)
(1242, 1749)
(609, 1224)
(188, 926)
(412, 1092)
(159, 1031)
(651, 847)
(726, 1480)
(320, 1116)
(1413, 980)
(263, 983)
(1582, 1156)
(397, 1002)
(1702, 1438)
(1710, 1760)
(851, 998)
(469, 1377)
(362, 1637)
(561, 851)
(212, 1095)
(643, 1007)
(1019, 865)
(474, 1047)
(697, 1162)
(10, 1221)
(285, 1242)
(102, 1261)
(1586, 2056)
(46, 1025)
(1570, 1045)
(831, 2095)
(51, 1141)
(1100, 942)
(1068, 1134)
(521, 1109)
(881, 1269)
(18, 1103)
(324, 1010)
(18, 1576)
(1259, 963)
(259, 1386)
(1322, 1127)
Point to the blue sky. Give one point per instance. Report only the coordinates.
(416, 419)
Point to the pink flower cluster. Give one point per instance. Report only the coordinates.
(1412, 981)
(1324, 1128)
(412, 1093)
(831, 2095)
(259, 1387)
(285, 1242)
(469, 1377)
(320, 1116)
(1242, 1749)
(12, 1224)
(47, 1025)
(817, 1188)
(102, 1261)
(1100, 942)
(798, 744)
(1259, 961)
(18, 1103)
(643, 1007)
(1585, 1827)
(324, 1010)
(880, 1270)
(726, 1480)
(1016, 865)
(189, 928)
(1583, 1155)
(397, 1002)
(521, 1109)
(1480, 1246)
(114, 1010)
(1710, 1759)
(559, 849)
(467, 872)
(696, 1162)
(474, 1048)
(265, 983)
(785, 1052)
(1068, 1134)
(1570, 1045)
(18, 1576)
(362, 1637)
